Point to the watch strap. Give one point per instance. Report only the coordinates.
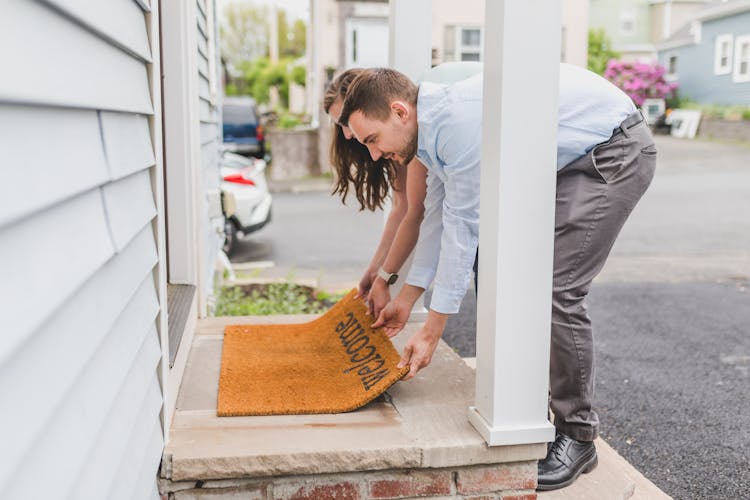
(389, 278)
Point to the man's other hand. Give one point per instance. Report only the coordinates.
(393, 317)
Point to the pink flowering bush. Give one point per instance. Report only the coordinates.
(640, 81)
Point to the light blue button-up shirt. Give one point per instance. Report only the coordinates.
(449, 140)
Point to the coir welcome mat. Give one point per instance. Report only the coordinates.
(333, 364)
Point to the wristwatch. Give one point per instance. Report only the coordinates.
(389, 278)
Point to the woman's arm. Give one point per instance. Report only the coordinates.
(397, 214)
(406, 235)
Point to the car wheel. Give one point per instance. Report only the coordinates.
(230, 237)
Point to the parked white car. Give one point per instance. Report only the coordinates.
(246, 201)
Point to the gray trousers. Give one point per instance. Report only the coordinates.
(595, 195)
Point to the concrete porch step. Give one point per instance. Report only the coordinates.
(414, 442)
(417, 436)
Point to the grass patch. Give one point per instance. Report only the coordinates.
(273, 298)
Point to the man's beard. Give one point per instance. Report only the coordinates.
(409, 151)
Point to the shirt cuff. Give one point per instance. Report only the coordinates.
(446, 301)
(420, 276)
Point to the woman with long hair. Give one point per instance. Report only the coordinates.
(372, 180)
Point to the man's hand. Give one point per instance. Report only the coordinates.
(378, 297)
(393, 317)
(420, 347)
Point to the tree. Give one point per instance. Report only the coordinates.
(244, 35)
(261, 75)
(600, 51)
(245, 38)
(291, 36)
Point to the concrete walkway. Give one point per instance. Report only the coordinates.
(613, 479)
(306, 185)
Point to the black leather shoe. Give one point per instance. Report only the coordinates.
(566, 459)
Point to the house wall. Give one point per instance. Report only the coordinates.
(611, 15)
(211, 219)
(695, 64)
(575, 41)
(648, 17)
(447, 14)
(373, 12)
(681, 12)
(79, 351)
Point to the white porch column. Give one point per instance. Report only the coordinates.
(410, 52)
(519, 138)
(313, 83)
(410, 36)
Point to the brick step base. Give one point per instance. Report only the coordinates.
(509, 481)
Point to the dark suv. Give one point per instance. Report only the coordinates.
(242, 130)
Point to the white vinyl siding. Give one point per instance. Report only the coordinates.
(80, 350)
(56, 171)
(212, 220)
(723, 55)
(192, 139)
(741, 59)
(55, 61)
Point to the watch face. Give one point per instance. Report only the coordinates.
(392, 278)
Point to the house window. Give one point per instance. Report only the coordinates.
(627, 23)
(672, 67)
(462, 43)
(742, 59)
(469, 44)
(723, 55)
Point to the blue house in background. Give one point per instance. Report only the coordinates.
(710, 56)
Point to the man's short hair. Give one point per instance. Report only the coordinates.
(372, 92)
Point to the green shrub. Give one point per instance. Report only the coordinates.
(274, 298)
(600, 51)
(260, 75)
(299, 75)
(712, 111)
(288, 120)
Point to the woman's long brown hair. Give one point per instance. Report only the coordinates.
(352, 161)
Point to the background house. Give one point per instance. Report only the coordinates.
(710, 55)
(89, 241)
(634, 27)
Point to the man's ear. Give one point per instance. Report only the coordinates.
(401, 109)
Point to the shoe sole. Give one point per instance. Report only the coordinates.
(588, 467)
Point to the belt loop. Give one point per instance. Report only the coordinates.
(624, 130)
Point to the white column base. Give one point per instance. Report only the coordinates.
(537, 432)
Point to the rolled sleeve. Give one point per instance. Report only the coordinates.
(450, 122)
(459, 150)
(427, 252)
